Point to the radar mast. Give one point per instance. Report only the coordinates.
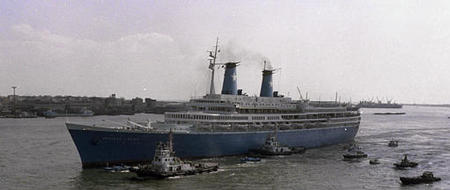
(212, 63)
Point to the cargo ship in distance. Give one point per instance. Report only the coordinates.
(223, 124)
(378, 104)
(82, 113)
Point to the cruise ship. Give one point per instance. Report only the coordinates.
(229, 123)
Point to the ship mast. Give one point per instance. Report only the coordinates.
(170, 141)
(212, 64)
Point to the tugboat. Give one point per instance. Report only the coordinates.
(166, 164)
(405, 163)
(272, 147)
(393, 143)
(354, 152)
(426, 177)
(374, 161)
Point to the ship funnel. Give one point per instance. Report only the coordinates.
(229, 80)
(267, 85)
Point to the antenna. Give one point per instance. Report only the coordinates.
(336, 98)
(212, 63)
(299, 93)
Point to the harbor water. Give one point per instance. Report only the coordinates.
(38, 153)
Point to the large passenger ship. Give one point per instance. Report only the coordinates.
(223, 124)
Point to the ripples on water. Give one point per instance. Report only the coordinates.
(39, 154)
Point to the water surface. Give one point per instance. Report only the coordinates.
(39, 154)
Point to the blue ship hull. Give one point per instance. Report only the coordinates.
(102, 147)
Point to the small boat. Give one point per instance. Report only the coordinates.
(405, 163)
(117, 169)
(374, 161)
(393, 143)
(390, 113)
(272, 147)
(426, 177)
(250, 159)
(354, 152)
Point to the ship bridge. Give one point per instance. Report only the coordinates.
(243, 104)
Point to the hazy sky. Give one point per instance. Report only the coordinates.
(158, 49)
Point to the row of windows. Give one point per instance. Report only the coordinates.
(165, 159)
(266, 104)
(315, 116)
(209, 101)
(220, 109)
(258, 118)
(208, 117)
(287, 117)
(205, 117)
(269, 111)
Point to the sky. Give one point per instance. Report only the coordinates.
(385, 49)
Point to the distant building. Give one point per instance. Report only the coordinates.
(150, 103)
(138, 104)
(111, 105)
